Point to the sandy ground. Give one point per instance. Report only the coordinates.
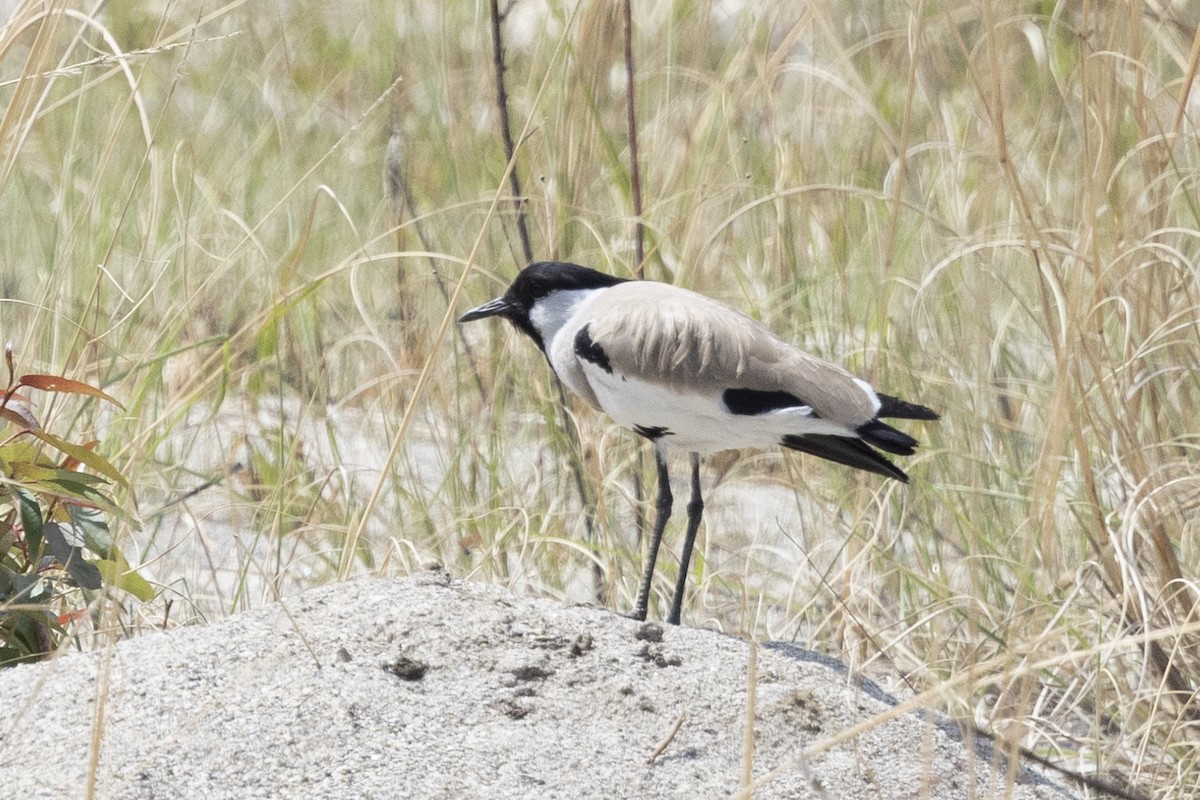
(433, 688)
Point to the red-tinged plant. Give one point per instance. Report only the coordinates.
(56, 550)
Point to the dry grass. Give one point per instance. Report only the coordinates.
(990, 208)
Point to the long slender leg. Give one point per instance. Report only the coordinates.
(663, 508)
(695, 510)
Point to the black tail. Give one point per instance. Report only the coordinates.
(857, 453)
(845, 450)
(885, 437)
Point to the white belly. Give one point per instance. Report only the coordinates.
(697, 422)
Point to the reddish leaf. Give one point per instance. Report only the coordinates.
(19, 412)
(54, 383)
(71, 616)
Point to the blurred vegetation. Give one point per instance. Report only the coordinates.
(252, 223)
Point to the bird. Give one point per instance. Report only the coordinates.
(688, 372)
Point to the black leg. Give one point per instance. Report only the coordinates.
(695, 510)
(663, 508)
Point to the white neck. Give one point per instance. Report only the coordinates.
(552, 312)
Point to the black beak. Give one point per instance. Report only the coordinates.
(493, 308)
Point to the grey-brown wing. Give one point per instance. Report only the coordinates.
(658, 332)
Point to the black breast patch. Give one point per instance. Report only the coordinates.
(750, 402)
(590, 351)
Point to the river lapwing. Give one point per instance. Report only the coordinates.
(688, 372)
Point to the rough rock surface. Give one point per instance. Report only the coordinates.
(433, 688)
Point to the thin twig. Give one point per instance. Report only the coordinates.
(589, 513)
(751, 710)
(666, 740)
(635, 175)
(1181, 110)
(110, 59)
(639, 233)
(514, 179)
(190, 493)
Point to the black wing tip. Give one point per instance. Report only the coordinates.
(845, 450)
(896, 408)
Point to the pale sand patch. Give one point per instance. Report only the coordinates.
(432, 688)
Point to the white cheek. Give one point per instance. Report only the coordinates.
(543, 318)
(550, 313)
